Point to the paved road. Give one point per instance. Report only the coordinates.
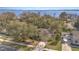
(6, 48)
(66, 47)
(9, 48)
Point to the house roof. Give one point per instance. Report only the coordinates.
(75, 35)
(45, 31)
(65, 33)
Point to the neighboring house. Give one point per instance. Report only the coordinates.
(67, 38)
(69, 24)
(71, 38)
(75, 38)
(45, 32)
(40, 46)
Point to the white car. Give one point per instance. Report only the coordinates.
(65, 40)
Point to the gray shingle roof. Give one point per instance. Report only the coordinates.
(75, 35)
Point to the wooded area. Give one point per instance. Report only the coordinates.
(34, 27)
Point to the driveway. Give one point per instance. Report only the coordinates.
(66, 47)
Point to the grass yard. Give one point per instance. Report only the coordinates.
(55, 47)
(75, 49)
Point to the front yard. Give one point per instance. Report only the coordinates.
(75, 49)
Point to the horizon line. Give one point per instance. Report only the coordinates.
(42, 8)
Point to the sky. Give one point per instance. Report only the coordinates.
(43, 10)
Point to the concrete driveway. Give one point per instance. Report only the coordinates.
(66, 47)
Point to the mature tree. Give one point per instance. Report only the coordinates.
(77, 24)
(63, 16)
(5, 19)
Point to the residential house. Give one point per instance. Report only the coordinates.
(75, 38)
(69, 24)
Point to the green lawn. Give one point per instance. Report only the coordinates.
(75, 49)
(54, 47)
